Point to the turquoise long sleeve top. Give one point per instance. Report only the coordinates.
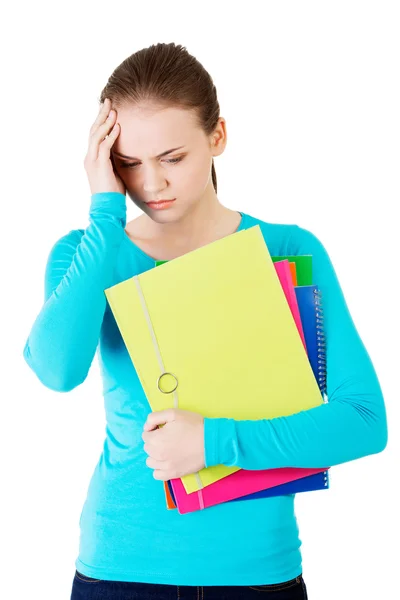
(126, 531)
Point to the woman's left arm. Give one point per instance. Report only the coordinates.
(351, 425)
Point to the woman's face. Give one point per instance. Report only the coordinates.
(184, 173)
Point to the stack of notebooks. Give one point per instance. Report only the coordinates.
(228, 330)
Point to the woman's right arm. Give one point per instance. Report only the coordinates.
(63, 340)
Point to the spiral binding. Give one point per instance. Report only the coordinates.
(321, 343)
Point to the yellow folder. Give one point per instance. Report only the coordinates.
(212, 332)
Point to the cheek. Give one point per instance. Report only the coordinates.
(195, 175)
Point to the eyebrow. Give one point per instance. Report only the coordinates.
(158, 155)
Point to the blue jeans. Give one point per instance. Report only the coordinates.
(88, 588)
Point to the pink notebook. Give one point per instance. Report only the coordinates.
(283, 271)
(243, 482)
(233, 486)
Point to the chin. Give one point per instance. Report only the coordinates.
(161, 216)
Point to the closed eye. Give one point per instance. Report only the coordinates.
(172, 161)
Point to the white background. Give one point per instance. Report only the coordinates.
(310, 93)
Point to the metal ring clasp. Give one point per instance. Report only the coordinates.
(162, 375)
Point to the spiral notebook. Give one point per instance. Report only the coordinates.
(310, 302)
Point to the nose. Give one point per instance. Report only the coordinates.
(153, 180)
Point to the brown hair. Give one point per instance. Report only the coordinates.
(166, 74)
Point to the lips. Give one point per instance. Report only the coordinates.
(160, 201)
(160, 205)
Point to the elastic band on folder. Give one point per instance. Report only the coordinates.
(162, 368)
(201, 500)
(155, 343)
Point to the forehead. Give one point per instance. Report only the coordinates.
(148, 130)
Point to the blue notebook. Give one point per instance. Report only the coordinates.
(311, 311)
(318, 481)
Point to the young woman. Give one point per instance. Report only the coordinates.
(155, 138)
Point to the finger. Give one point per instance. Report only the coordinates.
(103, 138)
(154, 452)
(149, 426)
(106, 144)
(161, 417)
(162, 475)
(162, 469)
(159, 465)
(104, 109)
(147, 449)
(148, 436)
(108, 120)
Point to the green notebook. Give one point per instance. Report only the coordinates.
(303, 267)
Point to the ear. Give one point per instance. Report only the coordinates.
(219, 138)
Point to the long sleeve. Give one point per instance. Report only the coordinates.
(63, 340)
(351, 425)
